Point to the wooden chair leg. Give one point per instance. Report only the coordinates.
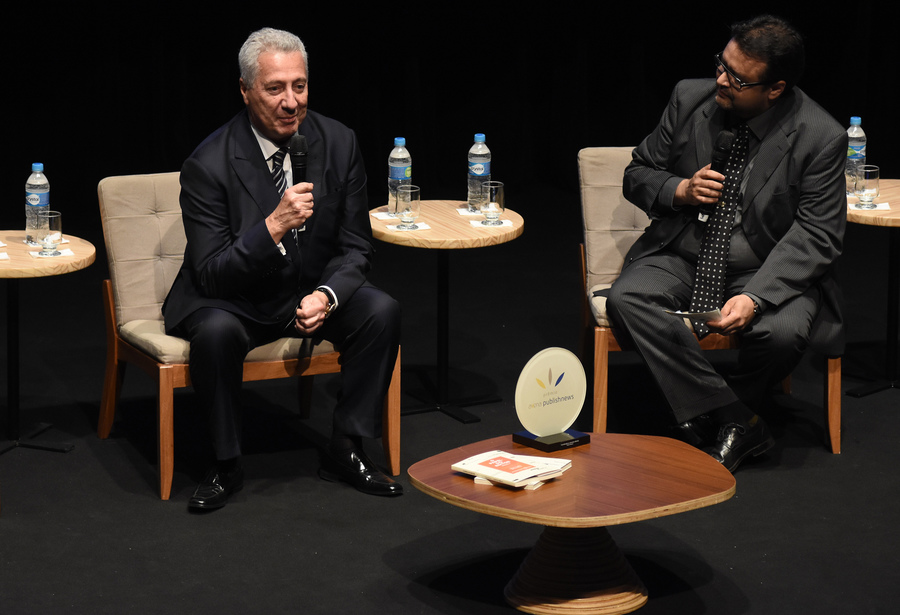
(390, 437)
(601, 377)
(114, 373)
(109, 400)
(166, 425)
(833, 403)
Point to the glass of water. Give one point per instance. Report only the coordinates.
(408, 206)
(49, 232)
(493, 202)
(867, 185)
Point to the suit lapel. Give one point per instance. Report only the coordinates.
(774, 147)
(706, 128)
(253, 172)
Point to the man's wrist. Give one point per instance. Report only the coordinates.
(758, 305)
(330, 300)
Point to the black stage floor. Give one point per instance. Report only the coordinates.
(84, 532)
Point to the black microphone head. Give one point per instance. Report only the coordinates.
(722, 150)
(297, 145)
(724, 141)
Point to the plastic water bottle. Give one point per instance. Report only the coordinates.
(399, 168)
(856, 152)
(37, 198)
(479, 170)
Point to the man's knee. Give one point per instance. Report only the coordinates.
(386, 316)
(781, 337)
(218, 333)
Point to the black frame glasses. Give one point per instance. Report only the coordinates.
(736, 82)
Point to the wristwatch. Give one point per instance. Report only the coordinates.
(329, 307)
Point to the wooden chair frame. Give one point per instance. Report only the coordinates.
(169, 377)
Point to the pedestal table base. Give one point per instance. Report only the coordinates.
(576, 571)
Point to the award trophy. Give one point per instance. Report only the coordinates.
(549, 396)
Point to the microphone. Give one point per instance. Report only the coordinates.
(298, 148)
(721, 152)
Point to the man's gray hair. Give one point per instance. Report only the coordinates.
(267, 39)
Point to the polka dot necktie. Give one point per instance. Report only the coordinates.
(709, 280)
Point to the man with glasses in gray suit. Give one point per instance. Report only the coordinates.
(757, 237)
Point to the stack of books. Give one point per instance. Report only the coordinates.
(520, 471)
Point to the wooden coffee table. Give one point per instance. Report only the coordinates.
(575, 567)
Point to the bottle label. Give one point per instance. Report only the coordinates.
(401, 173)
(856, 152)
(480, 168)
(38, 199)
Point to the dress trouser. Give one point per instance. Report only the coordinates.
(365, 329)
(771, 346)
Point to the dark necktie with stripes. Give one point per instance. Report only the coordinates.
(279, 178)
(278, 170)
(712, 260)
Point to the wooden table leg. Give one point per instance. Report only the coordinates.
(576, 571)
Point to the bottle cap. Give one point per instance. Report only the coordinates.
(399, 142)
(37, 167)
(479, 138)
(855, 120)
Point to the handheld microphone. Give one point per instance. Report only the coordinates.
(721, 152)
(298, 148)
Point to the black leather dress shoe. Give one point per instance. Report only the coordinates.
(698, 431)
(735, 441)
(215, 488)
(354, 468)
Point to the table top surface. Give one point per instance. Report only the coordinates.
(617, 478)
(449, 229)
(890, 193)
(22, 265)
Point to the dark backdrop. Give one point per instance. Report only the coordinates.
(122, 93)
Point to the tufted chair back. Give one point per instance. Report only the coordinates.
(144, 239)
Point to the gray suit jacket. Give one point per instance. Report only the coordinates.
(794, 208)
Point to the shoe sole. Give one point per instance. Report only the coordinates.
(333, 477)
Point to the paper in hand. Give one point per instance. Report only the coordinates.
(702, 316)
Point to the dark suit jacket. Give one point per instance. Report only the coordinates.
(794, 208)
(231, 261)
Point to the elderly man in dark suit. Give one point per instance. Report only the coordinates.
(785, 195)
(266, 258)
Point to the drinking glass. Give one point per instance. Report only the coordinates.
(492, 202)
(867, 185)
(49, 232)
(408, 205)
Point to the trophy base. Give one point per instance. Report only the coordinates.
(557, 442)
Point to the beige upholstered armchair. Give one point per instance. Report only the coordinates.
(145, 243)
(611, 225)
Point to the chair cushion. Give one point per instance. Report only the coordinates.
(598, 305)
(150, 336)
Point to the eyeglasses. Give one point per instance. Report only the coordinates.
(735, 81)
